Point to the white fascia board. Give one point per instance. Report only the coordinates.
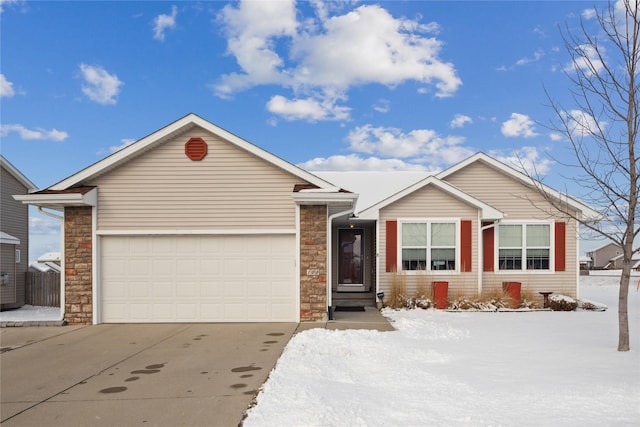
(486, 211)
(59, 201)
(587, 212)
(321, 197)
(167, 132)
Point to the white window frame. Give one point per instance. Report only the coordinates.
(523, 269)
(428, 247)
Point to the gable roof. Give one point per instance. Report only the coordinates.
(19, 176)
(162, 135)
(487, 212)
(586, 211)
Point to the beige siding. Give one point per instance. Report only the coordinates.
(14, 220)
(229, 189)
(429, 202)
(520, 202)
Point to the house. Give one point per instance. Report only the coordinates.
(49, 262)
(14, 235)
(602, 258)
(194, 224)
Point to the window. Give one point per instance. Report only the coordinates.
(429, 246)
(524, 246)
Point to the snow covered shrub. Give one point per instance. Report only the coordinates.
(495, 297)
(528, 300)
(559, 302)
(398, 295)
(424, 293)
(591, 306)
(461, 302)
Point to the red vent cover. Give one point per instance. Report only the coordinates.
(195, 149)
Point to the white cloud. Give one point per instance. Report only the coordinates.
(312, 58)
(589, 13)
(124, 143)
(4, 3)
(459, 121)
(33, 134)
(42, 226)
(555, 136)
(6, 87)
(353, 162)
(537, 55)
(581, 124)
(519, 125)
(100, 86)
(527, 160)
(164, 22)
(382, 106)
(309, 109)
(587, 61)
(420, 145)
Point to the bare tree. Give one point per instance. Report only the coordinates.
(602, 130)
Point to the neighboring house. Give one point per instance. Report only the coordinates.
(603, 257)
(194, 224)
(14, 240)
(616, 262)
(49, 262)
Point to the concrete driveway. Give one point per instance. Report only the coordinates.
(121, 375)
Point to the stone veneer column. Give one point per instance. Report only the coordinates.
(78, 266)
(313, 258)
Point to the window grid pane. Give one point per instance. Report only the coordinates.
(414, 259)
(443, 234)
(510, 236)
(538, 235)
(414, 234)
(443, 259)
(510, 259)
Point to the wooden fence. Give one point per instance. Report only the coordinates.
(42, 289)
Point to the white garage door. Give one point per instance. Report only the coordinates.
(198, 279)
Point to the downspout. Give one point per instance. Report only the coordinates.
(330, 256)
(481, 251)
(62, 256)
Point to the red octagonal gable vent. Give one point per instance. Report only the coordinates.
(195, 149)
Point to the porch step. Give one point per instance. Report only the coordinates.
(352, 299)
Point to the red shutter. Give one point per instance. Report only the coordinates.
(466, 242)
(487, 247)
(392, 246)
(560, 246)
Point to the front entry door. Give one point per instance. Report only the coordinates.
(351, 259)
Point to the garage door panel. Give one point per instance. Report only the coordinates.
(198, 278)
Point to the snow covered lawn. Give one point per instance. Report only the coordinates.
(470, 369)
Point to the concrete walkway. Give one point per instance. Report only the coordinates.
(371, 318)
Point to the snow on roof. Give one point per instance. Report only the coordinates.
(373, 186)
(8, 239)
(49, 256)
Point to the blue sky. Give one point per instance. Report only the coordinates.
(401, 85)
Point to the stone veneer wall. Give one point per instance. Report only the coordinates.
(313, 256)
(78, 307)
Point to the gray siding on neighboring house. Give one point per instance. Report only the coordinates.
(602, 256)
(520, 202)
(14, 221)
(429, 202)
(229, 189)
